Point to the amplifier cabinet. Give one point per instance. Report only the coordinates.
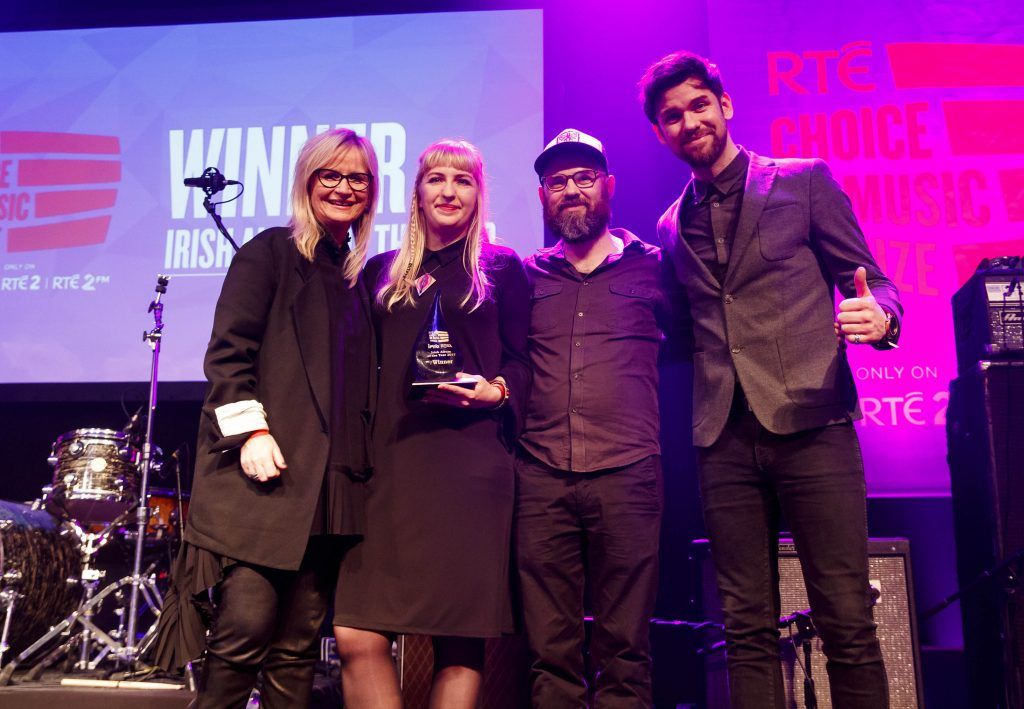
(890, 575)
(988, 317)
(985, 427)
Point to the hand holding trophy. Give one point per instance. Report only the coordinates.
(438, 378)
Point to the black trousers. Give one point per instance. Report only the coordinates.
(816, 479)
(269, 619)
(599, 530)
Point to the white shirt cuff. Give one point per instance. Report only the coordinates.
(241, 417)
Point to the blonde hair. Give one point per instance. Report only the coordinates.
(460, 155)
(306, 230)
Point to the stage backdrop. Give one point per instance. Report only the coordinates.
(915, 105)
(98, 128)
(918, 108)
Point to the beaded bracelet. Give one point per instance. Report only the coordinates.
(504, 392)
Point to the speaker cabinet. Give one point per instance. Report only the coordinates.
(985, 426)
(889, 572)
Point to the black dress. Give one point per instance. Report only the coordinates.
(435, 558)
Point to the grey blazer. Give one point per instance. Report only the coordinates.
(770, 324)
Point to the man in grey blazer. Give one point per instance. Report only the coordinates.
(760, 246)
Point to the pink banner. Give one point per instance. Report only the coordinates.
(919, 113)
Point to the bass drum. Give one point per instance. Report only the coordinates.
(41, 563)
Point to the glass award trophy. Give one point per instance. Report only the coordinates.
(436, 359)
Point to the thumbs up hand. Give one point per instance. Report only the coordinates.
(860, 282)
(861, 320)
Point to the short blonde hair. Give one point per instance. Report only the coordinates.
(318, 151)
(461, 155)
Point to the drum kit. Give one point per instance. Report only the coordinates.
(51, 570)
(53, 605)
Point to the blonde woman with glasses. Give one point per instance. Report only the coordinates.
(436, 556)
(279, 494)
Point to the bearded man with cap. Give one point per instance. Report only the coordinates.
(589, 486)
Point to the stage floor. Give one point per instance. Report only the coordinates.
(48, 693)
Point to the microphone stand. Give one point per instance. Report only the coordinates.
(152, 338)
(1001, 572)
(805, 633)
(211, 209)
(805, 629)
(212, 182)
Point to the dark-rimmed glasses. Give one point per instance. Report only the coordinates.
(582, 179)
(357, 181)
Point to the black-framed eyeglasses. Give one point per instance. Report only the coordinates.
(582, 179)
(357, 181)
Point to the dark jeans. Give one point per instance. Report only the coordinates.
(816, 479)
(269, 619)
(600, 530)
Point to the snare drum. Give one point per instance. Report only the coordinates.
(40, 561)
(96, 475)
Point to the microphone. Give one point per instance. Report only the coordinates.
(131, 428)
(211, 182)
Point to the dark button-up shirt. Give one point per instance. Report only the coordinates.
(432, 260)
(594, 341)
(350, 334)
(711, 212)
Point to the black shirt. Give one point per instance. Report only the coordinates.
(432, 260)
(349, 335)
(594, 341)
(711, 212)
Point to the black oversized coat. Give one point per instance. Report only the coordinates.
(271, 343)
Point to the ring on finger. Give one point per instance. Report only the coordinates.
(856, 339)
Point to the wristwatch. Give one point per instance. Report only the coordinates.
(892, 331)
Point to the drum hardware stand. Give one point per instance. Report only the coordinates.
(8, 597)
(90, 632)
(90, 543)
(153, 338)
(51, 501)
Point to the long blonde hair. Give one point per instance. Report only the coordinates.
(460, 155)
(306, 230)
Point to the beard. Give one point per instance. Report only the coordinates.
(575, 225)
(709, 154)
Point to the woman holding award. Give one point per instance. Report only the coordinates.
(451, 314)
(283, 442)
